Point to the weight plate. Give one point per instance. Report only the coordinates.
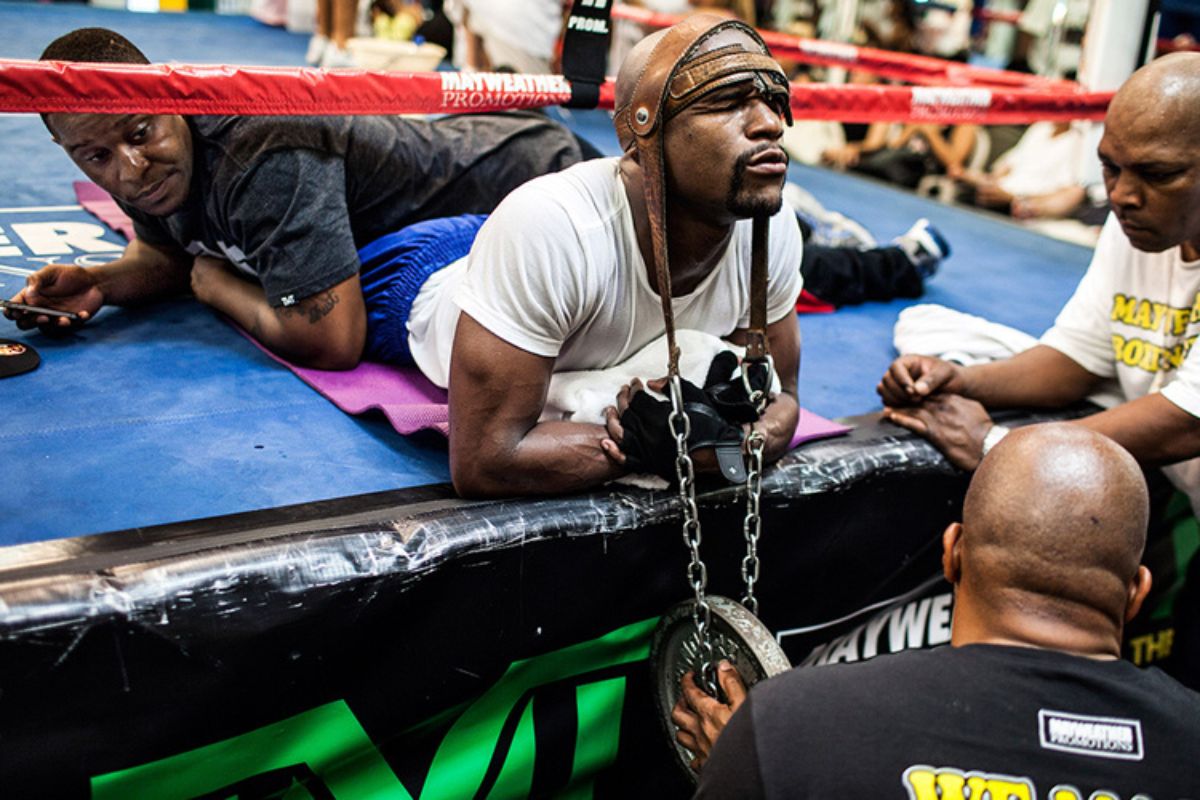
(737, 636)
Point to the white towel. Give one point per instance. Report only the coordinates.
(934, 330)
(583, 395)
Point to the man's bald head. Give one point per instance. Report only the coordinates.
(1161, 99)
(1151, 162)
(1054, 524)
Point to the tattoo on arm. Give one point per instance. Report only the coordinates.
(320, 306)
(315, 308)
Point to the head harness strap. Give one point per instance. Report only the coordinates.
(671, 80)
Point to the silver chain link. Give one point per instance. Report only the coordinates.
(752, 524)
(681, 428)
(697, 572)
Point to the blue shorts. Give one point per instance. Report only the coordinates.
(395, 267)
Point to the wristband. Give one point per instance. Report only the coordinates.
(992, 438)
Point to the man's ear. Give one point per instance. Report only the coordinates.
(50, 128)
(1139, 587)
(952, 552)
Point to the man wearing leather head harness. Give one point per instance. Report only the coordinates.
(562, 276)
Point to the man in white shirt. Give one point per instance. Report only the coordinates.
(944, 30)
(1037, 178)
(1042, 53)
(1133, 318)
(562, 275)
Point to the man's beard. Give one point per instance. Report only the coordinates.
(740, 202)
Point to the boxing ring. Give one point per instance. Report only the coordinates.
(215, 583)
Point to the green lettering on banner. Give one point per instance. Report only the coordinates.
(330, 741)
(462, 761)
(1185, 540)
(599, 713)
(516, 776)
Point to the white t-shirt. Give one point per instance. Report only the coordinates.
(532, 26)
(1042, 162)
(557, 272)
(1135, 317)
(1037, 20)
(945, 33)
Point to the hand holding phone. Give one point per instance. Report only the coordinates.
(75, 290)
(28, 309)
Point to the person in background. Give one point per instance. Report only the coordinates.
(903, 154)
(943, 29)
(336, 23)
(1038, 178)
(517, 35)
(1039, 49)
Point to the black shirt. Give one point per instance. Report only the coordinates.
(289, 200)
(1020, 722)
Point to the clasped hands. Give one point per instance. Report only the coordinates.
(925, 395)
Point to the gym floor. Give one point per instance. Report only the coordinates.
(166, 414)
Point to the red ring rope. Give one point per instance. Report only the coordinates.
(943, 104)
(992, 15)
(900, 66)
(219, 89)
(43, 86)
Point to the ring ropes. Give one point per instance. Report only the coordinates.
(901, 66)
(47, 86)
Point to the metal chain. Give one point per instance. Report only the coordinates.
(681, 428)
(759, 398)
(697, 572)
(752, 525)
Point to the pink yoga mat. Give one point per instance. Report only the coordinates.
(100, 204)
(411, 403)
(409, 400)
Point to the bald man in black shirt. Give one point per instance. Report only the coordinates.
(1029, 700)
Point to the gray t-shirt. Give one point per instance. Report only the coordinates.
(289, 200)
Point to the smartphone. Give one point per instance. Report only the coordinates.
(49, 312)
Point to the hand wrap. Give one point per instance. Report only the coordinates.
(727, 391)
(649, 446)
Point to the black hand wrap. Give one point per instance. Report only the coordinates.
(649, 446)
(727, 391)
